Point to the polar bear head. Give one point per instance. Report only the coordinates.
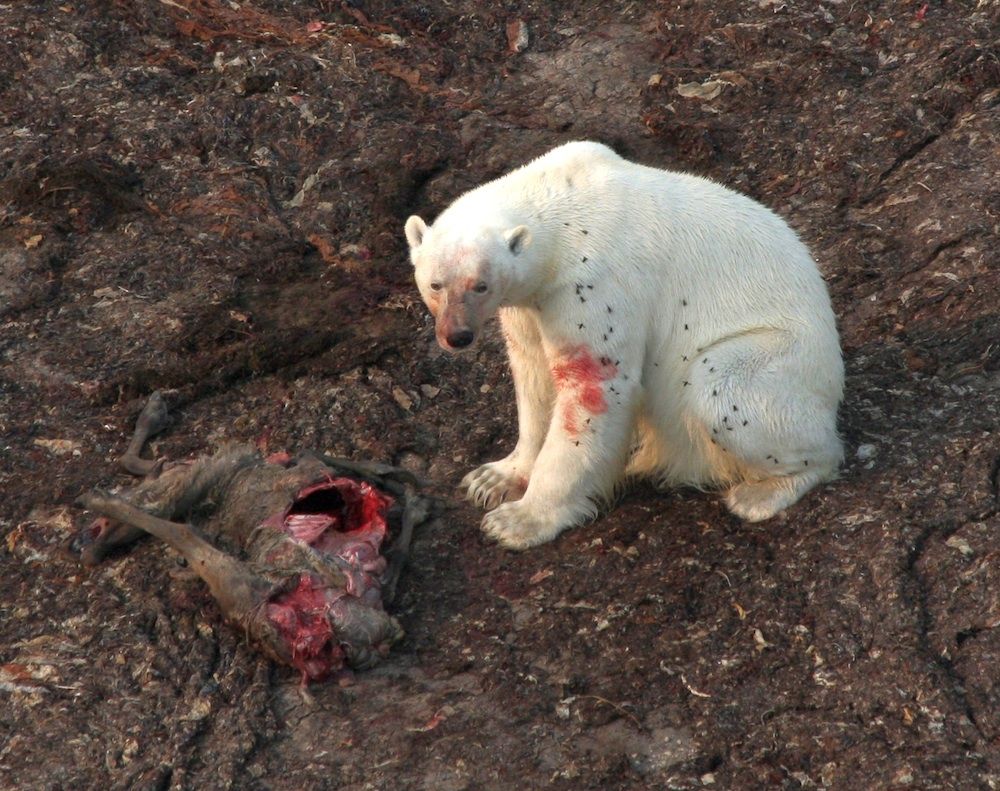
(465, 272)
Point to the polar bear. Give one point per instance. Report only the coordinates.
(658, 324)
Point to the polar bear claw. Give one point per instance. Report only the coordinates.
(494, 483)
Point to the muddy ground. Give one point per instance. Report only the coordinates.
(207, 197)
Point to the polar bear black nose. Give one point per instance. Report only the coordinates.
(459, 339)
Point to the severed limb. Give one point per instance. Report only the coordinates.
(239, 591)
(106, 534)
(171, 495)
(152, 420)
(415, 510)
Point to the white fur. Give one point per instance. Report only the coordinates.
(705, 287)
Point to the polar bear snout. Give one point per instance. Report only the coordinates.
(460, 338)
(458, 313)
(454, 330)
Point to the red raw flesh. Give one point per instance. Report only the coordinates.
(100, 526)
(309, 527)
(579, 372)
(282, 458)
(337, 517)
(300, 617)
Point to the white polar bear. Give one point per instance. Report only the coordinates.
(657, 324)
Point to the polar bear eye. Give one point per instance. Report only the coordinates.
(480, 287)
(435, 286)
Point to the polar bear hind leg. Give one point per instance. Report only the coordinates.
(755, 501)
(766, 409)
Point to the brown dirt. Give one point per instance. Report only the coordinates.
(208, 197)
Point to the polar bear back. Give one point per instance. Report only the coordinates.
(672, 236)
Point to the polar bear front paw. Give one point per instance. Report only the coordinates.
(494, 483)
(516, 526)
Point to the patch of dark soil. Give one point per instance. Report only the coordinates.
(98, 192)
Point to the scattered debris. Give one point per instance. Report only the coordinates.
(866, 452)
(517, 35)
(959, 543)
(706, 91)
(402, 398)
(59, 447)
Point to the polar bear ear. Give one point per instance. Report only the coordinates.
(415, 230)
(517, 239)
